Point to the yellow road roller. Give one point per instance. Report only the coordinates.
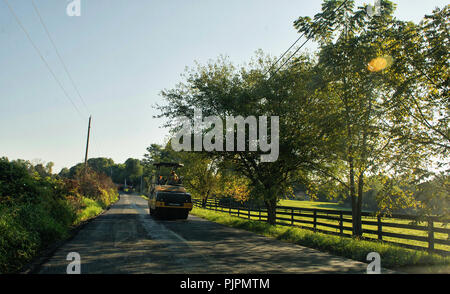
(168, 198)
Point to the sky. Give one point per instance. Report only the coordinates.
(121, 54)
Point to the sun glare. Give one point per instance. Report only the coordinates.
(379, 63)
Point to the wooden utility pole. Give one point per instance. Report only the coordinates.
(87, 143)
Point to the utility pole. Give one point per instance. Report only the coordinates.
(87, 142)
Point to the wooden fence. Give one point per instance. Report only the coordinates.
(339, 222)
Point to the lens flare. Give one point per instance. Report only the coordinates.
(379, 63)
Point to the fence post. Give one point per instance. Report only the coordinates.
(300, 220)
(292, 216)
(238, 211)
(341, 223)
(430, 235)
(248, 212)
(259, 213)
(315, 219)
(380, 228)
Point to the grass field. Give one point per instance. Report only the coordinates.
(392, 256)
(313, 204)
(347, 224)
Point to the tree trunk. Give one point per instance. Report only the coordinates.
(358, 220)
(356, 214)
(205, 199)
(271, 206)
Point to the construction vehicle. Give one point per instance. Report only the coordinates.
(168, 198)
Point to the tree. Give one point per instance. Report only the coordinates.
(49, 167)
(157, 153)
(435, 195)
(118, 173)
(64, 173)
(353, 57)
(420, 81)
(44, 171)
(134, 170)
(101, 165)
(222, 90)
(75, 170)
(200, 175)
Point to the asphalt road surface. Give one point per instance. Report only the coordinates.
(126, 239)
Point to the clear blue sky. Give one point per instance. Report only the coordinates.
(121, 54)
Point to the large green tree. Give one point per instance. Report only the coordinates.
(133, 171)
(221, 89)
(353, 60)
(101, 165)
(419, 80)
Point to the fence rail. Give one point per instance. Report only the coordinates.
(339, 222)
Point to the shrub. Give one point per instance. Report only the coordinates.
(17, 244)
(90, 209)
(37, 210)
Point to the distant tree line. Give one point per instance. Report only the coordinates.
(131, 170)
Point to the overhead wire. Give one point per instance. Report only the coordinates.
(43, 59)
(58, 54)
(299, 48)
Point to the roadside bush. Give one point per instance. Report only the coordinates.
(36, 210)
(17, 244)
(27, 228)
(39, 219)
(91, 208)
(96, 186)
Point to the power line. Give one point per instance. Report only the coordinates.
(64, 66)
(42, 57)
(301, 46)
(281, 57)
(57, 53)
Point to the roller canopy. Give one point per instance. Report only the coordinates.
(169, 164)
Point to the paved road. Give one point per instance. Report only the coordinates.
(127, 240)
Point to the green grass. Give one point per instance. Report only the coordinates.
(312, 204)
(92, 209)
(392, 256)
